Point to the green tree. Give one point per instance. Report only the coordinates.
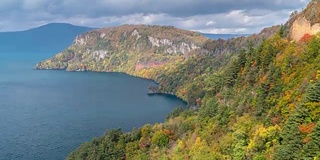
(160, 139)
(313, 93)
(291, 138)
(312, 148)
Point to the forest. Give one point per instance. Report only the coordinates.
(262, 102)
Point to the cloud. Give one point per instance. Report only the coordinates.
(180, 8)
(216, 16)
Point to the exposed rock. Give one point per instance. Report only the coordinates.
(306, 22)
(81, 40)
(136, 33)
(103, 35)
(302, 26)
(154, 41)
(182, 47)
(166, 42)
(101, 54)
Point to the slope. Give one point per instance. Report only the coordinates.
(261, 103)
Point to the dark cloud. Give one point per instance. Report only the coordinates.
(202, 15)
(180, 8)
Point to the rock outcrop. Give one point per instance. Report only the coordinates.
(302, 26)
(306, 22)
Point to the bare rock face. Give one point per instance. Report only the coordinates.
(302, 26)
(305, 22)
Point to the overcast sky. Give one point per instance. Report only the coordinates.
(210, 16)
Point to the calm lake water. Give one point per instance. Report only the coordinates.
(46, 114)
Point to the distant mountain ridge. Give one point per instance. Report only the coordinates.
(52, 37)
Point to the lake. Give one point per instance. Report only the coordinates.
(45, 114)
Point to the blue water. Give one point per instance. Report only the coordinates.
(46, 114)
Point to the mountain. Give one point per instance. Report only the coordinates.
(52, 37)
(254, 97)
(127, 48)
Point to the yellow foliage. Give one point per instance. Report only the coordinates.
(198, 140)
(291, 106)
(266, 135)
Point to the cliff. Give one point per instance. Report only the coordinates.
(306, 22)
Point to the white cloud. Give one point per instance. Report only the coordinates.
(210, 23)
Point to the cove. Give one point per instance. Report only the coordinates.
(45, 114)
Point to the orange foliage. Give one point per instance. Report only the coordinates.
(264, 78)
(306, 38)
(167, 132)
(306, 128)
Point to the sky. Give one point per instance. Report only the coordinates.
(207, 16)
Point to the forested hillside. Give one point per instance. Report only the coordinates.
(263, 103)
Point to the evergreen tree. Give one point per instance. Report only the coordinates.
(313, 93)
(291, 138)
(312, 149)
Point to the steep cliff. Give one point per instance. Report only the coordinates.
(306, 22)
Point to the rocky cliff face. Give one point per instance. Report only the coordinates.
(302, 26)
(306, 22)
(126, 49)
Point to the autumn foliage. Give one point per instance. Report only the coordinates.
(306, 128)
(305, 38)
